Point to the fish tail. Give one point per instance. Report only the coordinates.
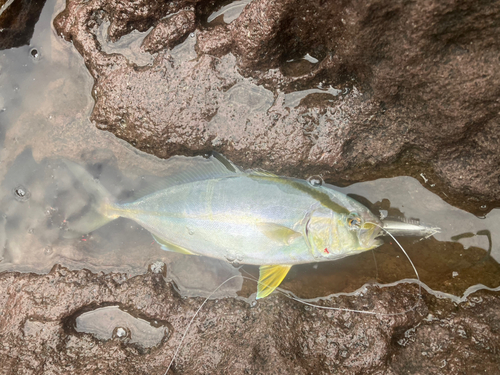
(100, 210)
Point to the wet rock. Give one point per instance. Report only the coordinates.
(447, 340)
(169, 32)
(216, 41)
(418, 87)
(17, 22)
(274, 336)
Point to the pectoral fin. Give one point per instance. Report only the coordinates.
(168, 246)
(278, 233)
(270, 277)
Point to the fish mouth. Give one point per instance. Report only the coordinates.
(368, 234)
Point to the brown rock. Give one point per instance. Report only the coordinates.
(419, 87)
(169, 32)
(215, 42)
(276, 336)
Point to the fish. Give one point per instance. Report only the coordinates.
(219, 210)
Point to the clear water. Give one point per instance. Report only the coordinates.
(228, 13)
(45, 105)
(111, 322)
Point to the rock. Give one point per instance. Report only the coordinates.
(447, 340)
(418, 87)
(275, 336)
(17, 22)
(169, 32)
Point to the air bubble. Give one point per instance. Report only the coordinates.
(48, 250)
(192, 35)
(21, 193)
(35, 54)
(190, 231)
(315, 181)
(120, 332)
(483, 207)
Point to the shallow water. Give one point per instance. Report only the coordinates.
(111, 322)
(45, 101)
(228, 13)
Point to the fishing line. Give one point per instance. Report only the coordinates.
(304, 302)
(371, 312)
(407, 256)
(192, 319)
(376, 264)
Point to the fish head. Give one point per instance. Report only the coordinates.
(332, 235)
(366, 227)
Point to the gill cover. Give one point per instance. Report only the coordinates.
(332, 235)
(319, 230)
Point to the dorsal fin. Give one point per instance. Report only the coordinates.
(260, 172)
(230, 166)
(215, 166)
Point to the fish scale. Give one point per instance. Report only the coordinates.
(222, 215)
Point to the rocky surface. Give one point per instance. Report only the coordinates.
(418, 84)
(17, 22)
(273, 336)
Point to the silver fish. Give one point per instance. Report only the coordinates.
(252, 217)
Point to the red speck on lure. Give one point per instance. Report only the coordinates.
(326, 251)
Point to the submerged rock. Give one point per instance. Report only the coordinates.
(274, 336)
(418, 86)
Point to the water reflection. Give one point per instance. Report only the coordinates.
(293, 99)
(128, 45)
(111, 322)
(230, 11)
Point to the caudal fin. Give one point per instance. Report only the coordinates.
(99, 210)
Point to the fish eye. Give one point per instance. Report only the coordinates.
(353, 221)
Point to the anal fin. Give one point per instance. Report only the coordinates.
(168, 246)
(270, 277)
